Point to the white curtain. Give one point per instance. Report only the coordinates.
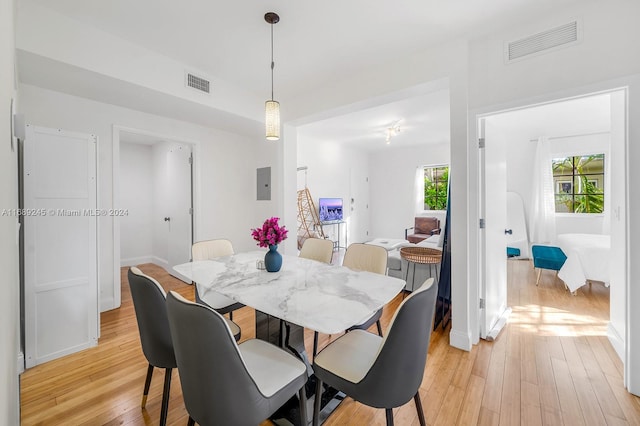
(418, 191)
(542, 218)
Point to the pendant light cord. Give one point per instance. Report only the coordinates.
(272, 63)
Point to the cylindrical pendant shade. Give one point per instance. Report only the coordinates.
(272, 120)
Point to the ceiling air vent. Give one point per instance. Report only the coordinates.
(543, 42)
(197, 83)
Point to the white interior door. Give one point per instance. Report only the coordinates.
(356, 208)
(493, 195)
(178, 191)
(60, 244)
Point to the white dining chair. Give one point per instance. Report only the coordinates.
(317, 249)
(207, 250)
(371, 258)
(322, 251)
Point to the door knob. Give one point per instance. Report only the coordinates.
(167, 219)
(506, 231)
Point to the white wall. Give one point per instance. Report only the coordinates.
(136, 186)
(10, 300)
(392, 187)
(224, 169)
(336, 171)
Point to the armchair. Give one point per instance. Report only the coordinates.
(423, 228)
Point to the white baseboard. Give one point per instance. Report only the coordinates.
(20, 362)
(460, 340)
(616, 341)
(133, 261)
(160, 262)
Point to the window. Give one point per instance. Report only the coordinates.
(436, 183)
(579, 184)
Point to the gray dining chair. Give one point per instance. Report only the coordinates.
(207, 250)
(382, 372)
(224, 383)
(371, 258)
(155, 337)
(322, 251)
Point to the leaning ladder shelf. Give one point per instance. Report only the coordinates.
(308, 221)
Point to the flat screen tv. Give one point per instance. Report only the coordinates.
(330, 209)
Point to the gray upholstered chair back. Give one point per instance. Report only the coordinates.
(317, 249)
(366, 257)
(210, 249)
(151, 313)
(396, 374)
(216, 385)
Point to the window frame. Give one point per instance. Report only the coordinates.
(571, 180)
(435, 166)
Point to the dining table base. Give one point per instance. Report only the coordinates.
(291, 336)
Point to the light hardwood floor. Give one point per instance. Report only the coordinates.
(551, 365)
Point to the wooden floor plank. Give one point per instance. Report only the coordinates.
(551, 365)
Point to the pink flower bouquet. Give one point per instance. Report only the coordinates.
(270, 234)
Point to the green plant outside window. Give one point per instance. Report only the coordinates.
(579, 184)
(436, 183)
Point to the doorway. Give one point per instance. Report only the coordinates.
(579, 126)
(155, 191)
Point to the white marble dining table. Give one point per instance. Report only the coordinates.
(314, 295)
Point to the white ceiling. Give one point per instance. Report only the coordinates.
(315, 42)
(422, 120)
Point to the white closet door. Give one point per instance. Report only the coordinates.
(60, 243)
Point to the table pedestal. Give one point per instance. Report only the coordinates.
(291, 337)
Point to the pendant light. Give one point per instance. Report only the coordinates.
(272, 107)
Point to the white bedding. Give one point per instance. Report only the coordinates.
(588, 257)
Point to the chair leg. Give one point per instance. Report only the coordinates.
(147, 384)
(191, 422)
(539, 272)
(379, 328)
(315, 344)
(165, 396)
(302, 397)
(416, 398)
(317, 401)
(389, 413)
(231, 315)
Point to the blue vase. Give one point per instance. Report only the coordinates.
(273, 259)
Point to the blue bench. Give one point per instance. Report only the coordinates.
(547, 257)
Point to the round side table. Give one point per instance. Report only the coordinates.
(423, 256)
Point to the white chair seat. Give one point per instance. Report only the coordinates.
(235, 330)
(218, 301)
(271, 368)
(351, 356)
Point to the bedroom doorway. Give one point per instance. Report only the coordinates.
(576, 126)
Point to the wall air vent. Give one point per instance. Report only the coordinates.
(197, 83)
(543, 42)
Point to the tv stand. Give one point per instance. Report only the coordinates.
(337, 223)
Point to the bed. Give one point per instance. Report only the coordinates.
(588, 258)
